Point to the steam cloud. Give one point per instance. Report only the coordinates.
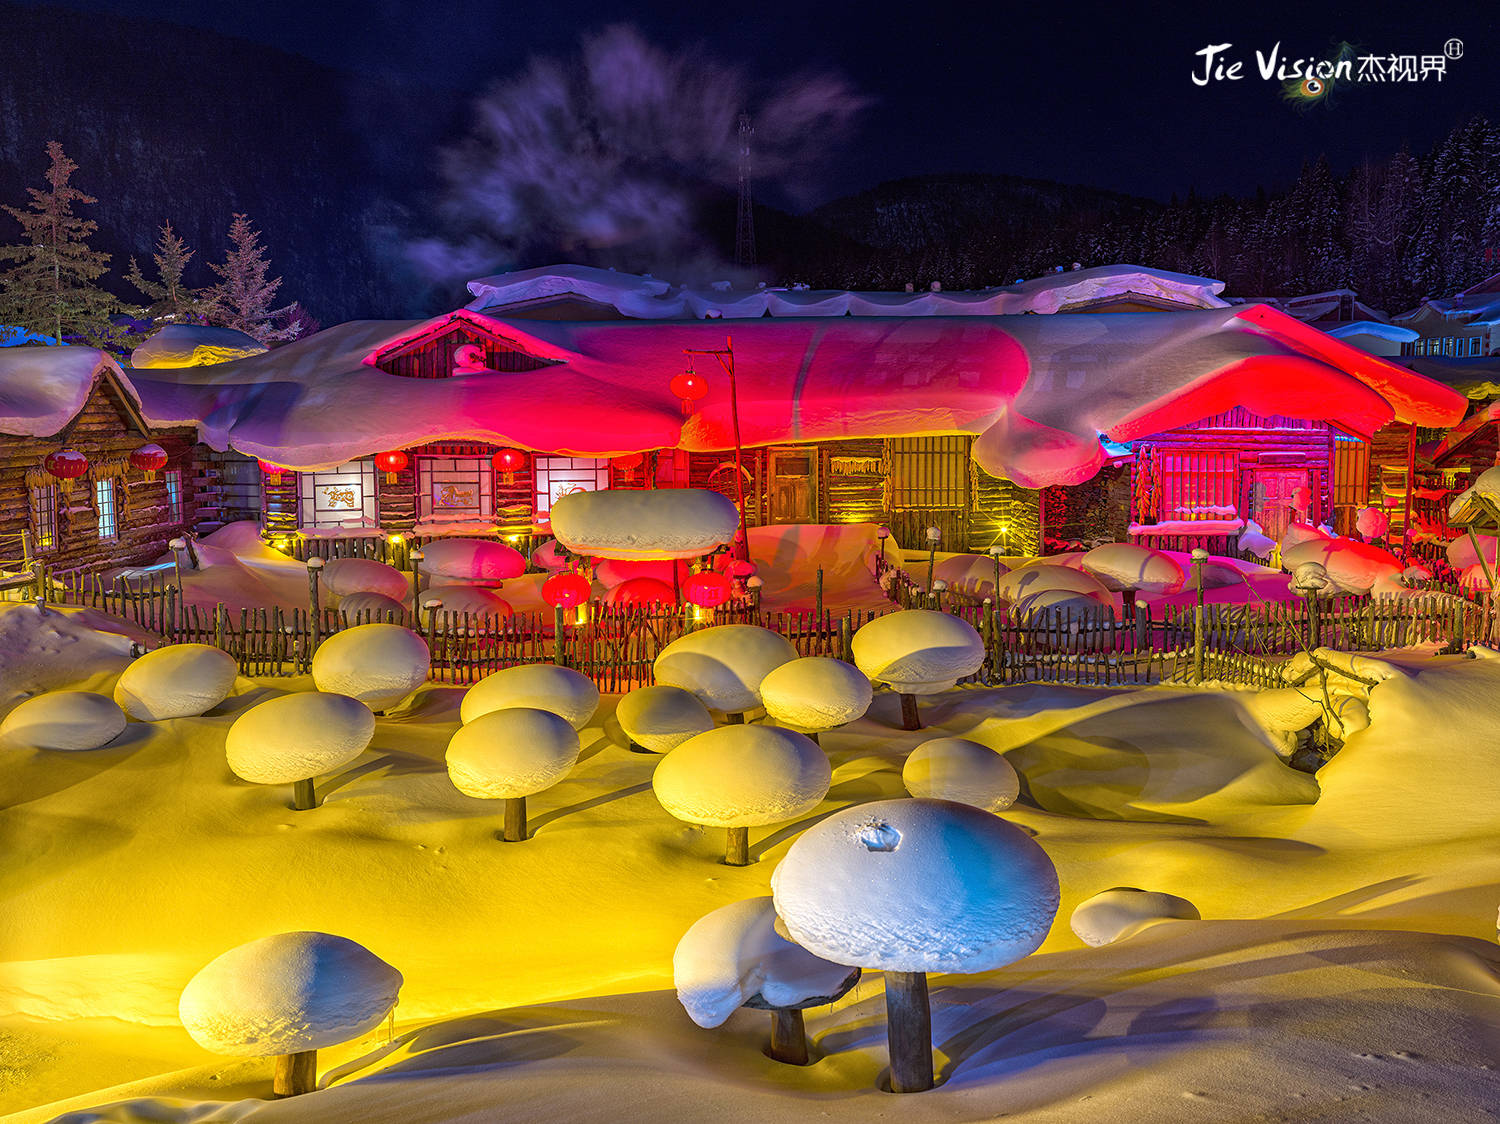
(604, 159)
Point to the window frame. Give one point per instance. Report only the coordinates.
(107, 509)
(172, 481)
(567, 470)
(43, 517)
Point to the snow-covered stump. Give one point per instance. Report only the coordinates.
(724, 665)
(917, 652)
(296, 738)
(659, 718)
(378, 664)
(816, 693)
(287, 996)
(569, 694)
(963, 771)
(509, 755)
(910, 887)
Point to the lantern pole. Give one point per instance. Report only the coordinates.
(725, 357)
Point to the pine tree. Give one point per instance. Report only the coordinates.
(169, 297)
(242, 298)
(50, 289)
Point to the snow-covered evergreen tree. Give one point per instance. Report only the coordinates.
(50, 289)
(169, 297)
(245, 293)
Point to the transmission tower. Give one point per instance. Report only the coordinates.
(744, 229)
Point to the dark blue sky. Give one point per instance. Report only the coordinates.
(1097, 94)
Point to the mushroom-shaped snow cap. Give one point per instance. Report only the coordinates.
(816, 692)
(66, 720)
(742, 776)
(547, 557)
(916, 886)
(345, 576)
(178, 681)
(963, 771)
(288, 993)
(507, 754)
(378, 664)
(734, 954)
(1125, 911)
(299, 736)
(660, 718)
(1353, 567)
(664, 523)
(474, 560)
(1126, 565)
(970, 574)
(918, 651)
(377, 605)
(569, 694)
(724, 665)
(1035, 578)
(460, 599)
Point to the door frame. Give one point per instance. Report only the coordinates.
(811, 454)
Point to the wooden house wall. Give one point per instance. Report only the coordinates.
(104, 433)
(433, 358)
(1004, 504)
(854, 477)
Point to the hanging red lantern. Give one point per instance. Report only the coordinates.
(707, 589)
(566, 590)
(67, 465)
(391, 463)
(273, 472)
(626, 464)
(507, 463)
(150, 459)
(689, 387)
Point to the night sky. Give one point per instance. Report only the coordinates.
(1099, 94)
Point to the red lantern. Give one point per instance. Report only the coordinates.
(273, 472)
(507, 463)
(150, 459)
(707, 589)
(67, 465)
(689, 387)
(566, 590)
(391, 463)
(626, 465)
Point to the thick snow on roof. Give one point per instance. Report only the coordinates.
(1040, 391)
(645, 298)
(194, 345)
(1374, 328)
(43, 388)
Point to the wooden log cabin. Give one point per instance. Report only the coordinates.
(114, 513)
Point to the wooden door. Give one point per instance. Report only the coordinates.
(792, 484)
(1272, 502)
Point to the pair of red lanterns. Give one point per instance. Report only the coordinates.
(68, 465)
(707, 589)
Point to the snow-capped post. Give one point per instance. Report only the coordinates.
(753, 586)
(177, 546)
(934, 536)
(910, 887)
(917, 652)
(559, 636)
(416, 557)
(995, 553)
(293, 739)
(818, 599)
(314, 616)
(939, 587)
(1199, 556)
(432, 607)
(815, 693)
(509, 755)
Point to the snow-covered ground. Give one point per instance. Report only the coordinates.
(1345, 966)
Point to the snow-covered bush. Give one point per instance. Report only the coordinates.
(1123, 566)
(178, 681)
(460, 599)
(1125, 911)
(478, 561)
(660, 718)
(910, 887)
(724, 665)
(343, 577)
(541, 686)
(963, 771)
(295, 738)
(63, 720)
(917, 652)
(645, 524)
(378, 664)
(377, 605)
(509, 755)
(288, 995)
(739, 777)
(816, 693)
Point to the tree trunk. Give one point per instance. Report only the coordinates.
(908, 1028)
(515, 819)
(735, 718)
(814, 735)
(304, 797)
(295, 1074)
(788, 1036)
(737, 851)
(910, 719)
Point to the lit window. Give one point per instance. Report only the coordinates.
(559, 476)
(44, 517)
(454, 489)
(173, 477)
(1473, 345)
(339, 497)
(104, 503)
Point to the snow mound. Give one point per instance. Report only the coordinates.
(916, 886)
(296, 737)
(658, 523)
(1461, 553)
(378, 664)
(918, 651)
(344, 577)
(1372, 522)
(1125, 911)
(376, 604)
(1256, 541)
(742, 776)
(612, 572)
(194, 345)
(969, 574)
(963, 771)
(1123, 565)
(724, 665)
(460, 599)
(477, 560)
(641, 591)
(1036, 578)
(547, 558)
(734, 954)
(507, 754)
(1062, 603)
(42, 649)
(1298, 533)
(816, 692)
(64, 720)
(287, 993)
(568, 694)
(178, 681)
(660, 718)
(1353, 567)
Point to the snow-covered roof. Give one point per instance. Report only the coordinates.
(1475, 310)
(194, 345)
(43, 388)
(1039, 391)
(1373, 328)
(646, 298)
